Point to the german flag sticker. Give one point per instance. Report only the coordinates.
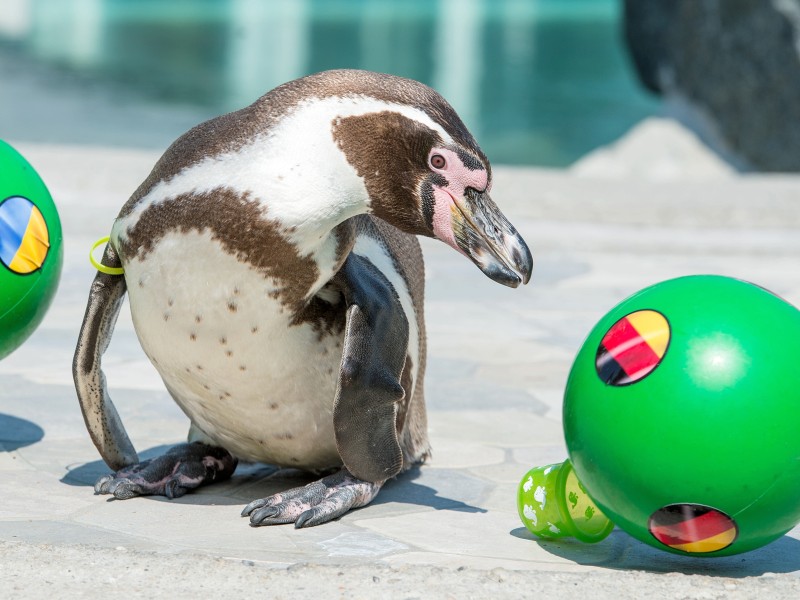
(693, 528)
(633, 347)
(24, 240)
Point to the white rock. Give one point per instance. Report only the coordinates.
(656, 149)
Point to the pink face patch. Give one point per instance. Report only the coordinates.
(459, 178)
(443, 218)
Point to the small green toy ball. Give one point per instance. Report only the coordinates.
(553, 504)
(682, 416)
(30, 249)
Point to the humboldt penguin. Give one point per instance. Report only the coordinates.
(276, 284)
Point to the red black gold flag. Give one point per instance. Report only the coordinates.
(633, 347)
(693, 528)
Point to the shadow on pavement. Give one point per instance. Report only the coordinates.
(86, 474)
(405, 490)
(17, 433)
(621, 551)
(252, 481)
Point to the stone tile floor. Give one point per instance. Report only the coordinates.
(498, 362)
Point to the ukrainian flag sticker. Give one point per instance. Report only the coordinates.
(24, 239)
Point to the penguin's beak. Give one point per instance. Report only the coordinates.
(484, 235)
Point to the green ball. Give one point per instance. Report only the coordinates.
(30, 249)
(682, 416)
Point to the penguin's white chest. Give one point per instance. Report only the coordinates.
(224, 345)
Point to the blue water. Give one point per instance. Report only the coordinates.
(538, 82)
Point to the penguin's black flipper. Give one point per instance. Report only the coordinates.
(365, 408)
(369, 389)
(101, 417)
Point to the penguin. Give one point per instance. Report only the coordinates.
(276, 283)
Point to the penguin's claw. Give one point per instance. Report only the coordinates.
(121, 488)
(317, 503)
(182, 469)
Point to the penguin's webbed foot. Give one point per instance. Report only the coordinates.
(314, 504)
(183, 468)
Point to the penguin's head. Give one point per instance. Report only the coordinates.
(426, 175)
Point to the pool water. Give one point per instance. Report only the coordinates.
(537, 81)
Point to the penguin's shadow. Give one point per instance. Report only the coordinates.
(87, 473)
(406, 490)
(17, 433)
(252, 481)
(623, 552)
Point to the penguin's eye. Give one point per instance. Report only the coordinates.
(438, 161)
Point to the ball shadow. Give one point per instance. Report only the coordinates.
(623, 552)
(17, 433)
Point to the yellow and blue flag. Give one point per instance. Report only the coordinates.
(24, 239)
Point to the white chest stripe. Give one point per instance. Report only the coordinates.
(296, 170)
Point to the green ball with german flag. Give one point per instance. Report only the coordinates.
(681, 415)
(30, 249)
